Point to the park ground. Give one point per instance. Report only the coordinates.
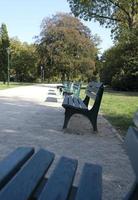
(33, 116)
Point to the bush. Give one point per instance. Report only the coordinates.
(125, 82)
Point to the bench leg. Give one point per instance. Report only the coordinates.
(94, 123)
(68, 115)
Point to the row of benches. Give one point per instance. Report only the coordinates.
(70, 88)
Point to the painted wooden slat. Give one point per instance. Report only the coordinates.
(90, 187)
(13, 162)
(26, 180)
(70, 100)
(82, 105)
(131, 142)
(66, 100)
(135, 119)
(91, 94)
(59, 184)
(76, 103)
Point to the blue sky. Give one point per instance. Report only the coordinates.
(23, 19)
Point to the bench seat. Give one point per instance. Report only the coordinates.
(73, 102)
(30, 182)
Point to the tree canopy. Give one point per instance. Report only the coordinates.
(111, 13)
(66, 47)
(4, 44)
(24, 61)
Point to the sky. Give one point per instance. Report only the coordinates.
(23, 19)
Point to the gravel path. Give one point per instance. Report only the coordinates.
(33, 116)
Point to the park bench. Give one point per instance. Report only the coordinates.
(23, 177)
(76, 89)
(70, 88)
(75, 105)
(131, 142)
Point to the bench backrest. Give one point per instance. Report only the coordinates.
(67, 86)
(94, 90)
(76, 89)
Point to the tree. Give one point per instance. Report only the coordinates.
(66, 47)
(4, 44)
(24, 61)
(120, 65)
(111, 13)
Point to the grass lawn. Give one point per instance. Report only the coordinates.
(119, 108)
(11, 85)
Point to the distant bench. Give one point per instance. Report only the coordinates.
(22, 177)
(75, 105)
(70, 88)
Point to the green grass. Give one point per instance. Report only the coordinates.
(119, 108)
(11, 85)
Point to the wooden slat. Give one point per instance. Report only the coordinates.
(90, 187)
(95, 84)
(91, 94)
(27, 179)
(13, 162)
(92, 89)
(135, 119)
(76, 103)
(82, 105)
(131, 142)
(70, 100)
(66, 100)
(59, 184)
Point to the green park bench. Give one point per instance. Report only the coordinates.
(22, 177)
(70, 88)
(75, 105)
(131, 142)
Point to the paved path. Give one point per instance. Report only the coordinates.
(33, 116)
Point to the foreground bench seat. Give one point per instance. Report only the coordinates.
(28, 181)
(131, 142)
(74, 105)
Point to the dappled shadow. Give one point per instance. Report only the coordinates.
(51, 93)
(51, 99)
(27, 123)
(51, 90)
(121, 122)
(120, 93)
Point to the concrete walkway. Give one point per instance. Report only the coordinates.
(33, 116)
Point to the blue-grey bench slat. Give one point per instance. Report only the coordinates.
(90, 187)
(13, 162)
(27, 179)
(60, 182)
(76, 102)
(131, 142)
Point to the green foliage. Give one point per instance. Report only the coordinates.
(24, 61)
(120, 66)
(4, 44)
(111, 13)
(66, 48)
(119, 108)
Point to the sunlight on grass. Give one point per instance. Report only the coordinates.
(11, 85)
(119, 108)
